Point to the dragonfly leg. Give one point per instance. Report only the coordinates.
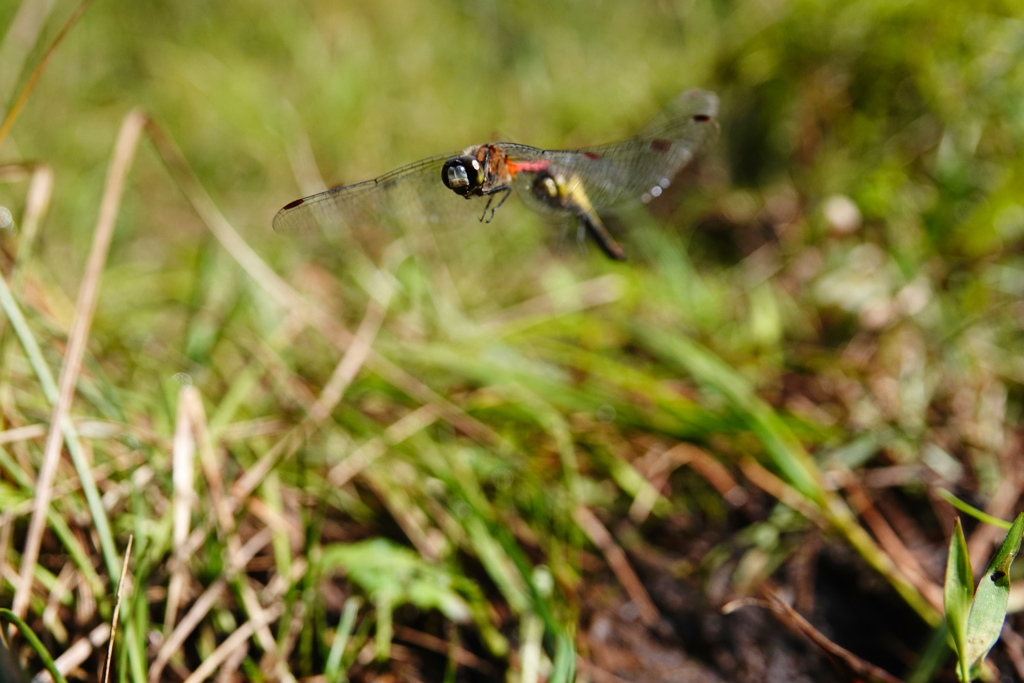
(506, 191)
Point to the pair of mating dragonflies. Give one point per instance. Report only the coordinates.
(574, 185)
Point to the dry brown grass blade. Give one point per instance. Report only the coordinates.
(184, 497)
(346, 370)
(795, 622)
(217, 224)
(666, 462)
(352, 360)
(224, 506)
(37, 200)
(599, 291)
(616, 558)
(58, 594)
(193, 428)
(228, 671)
(124, 152)
(398, 431)
(461, 655)
(82, 649)
(892, 545)
(407, 516)
(37, 73)
(117, 611)
(173, 644)
(780, 490)
(22, 33)
(286, 447)
(210, 461)
(40, 189)
(25, 433)
(233, 642)
(839, 514)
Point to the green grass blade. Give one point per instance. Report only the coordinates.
(959, 589)
(989, 609)
(9, 617)
(78, 457)
(564, 666)
(332, 670)
(971, 510)
(28, 342)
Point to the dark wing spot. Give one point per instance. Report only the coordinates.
(592, 156)
(701, 118)
(292, 205)
(998, 574)
(661, 145)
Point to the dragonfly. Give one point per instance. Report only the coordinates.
(574, 185)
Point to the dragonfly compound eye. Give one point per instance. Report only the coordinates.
(462, 175)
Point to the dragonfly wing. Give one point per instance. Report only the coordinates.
(644, 165)
(407, 197)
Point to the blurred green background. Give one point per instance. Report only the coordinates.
(839, 275)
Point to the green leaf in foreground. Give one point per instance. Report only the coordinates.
(959, 589)
(989, 608)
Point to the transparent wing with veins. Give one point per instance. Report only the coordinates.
(408, 196)
(641, 167)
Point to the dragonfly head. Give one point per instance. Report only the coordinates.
(463, 175)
